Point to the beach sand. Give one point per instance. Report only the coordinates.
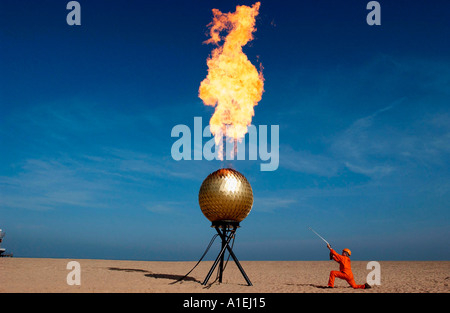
(33, 275)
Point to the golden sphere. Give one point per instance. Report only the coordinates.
(225, 196)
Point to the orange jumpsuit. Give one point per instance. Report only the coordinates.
(345, 271)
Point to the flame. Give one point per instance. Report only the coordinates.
(233, 84)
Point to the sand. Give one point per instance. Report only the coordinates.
(33, 275)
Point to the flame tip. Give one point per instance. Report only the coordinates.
(233, 84)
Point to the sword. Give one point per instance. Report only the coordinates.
(319, 236)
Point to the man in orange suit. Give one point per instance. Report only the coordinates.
(345, 269)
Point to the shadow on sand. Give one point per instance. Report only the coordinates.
(310, 285)
(154, 275)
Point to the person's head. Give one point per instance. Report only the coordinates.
(346, 252)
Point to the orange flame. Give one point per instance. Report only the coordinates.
(233, 85)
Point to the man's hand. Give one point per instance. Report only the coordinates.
(331, 253)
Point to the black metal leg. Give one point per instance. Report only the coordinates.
(239, 266)
(233, 255)
(222, 258)
(219, 257)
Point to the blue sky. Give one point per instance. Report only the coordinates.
(86, 114)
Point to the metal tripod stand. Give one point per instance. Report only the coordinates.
(226, 231)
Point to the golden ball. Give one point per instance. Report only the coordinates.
(225, 196)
